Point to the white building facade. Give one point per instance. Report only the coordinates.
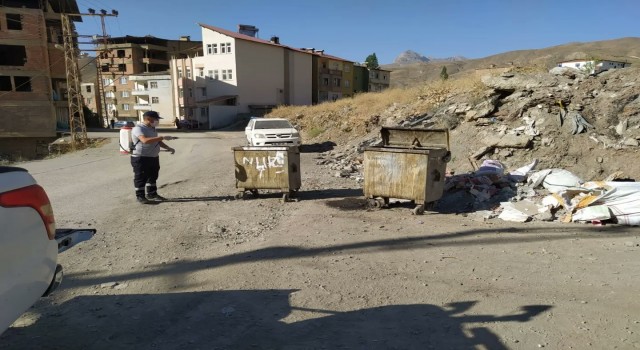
(153, 92)
(239, 75)
(593, 66)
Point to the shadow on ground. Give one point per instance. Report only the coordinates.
(318, 147)
(253, 319)
(476, 237)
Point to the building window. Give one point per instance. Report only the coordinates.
(87, 88)
(155, 99)
(204, 91)
(336, 81)
(125, 94)
(210, 74)
(120, 53)
(123, 80)
(227, 74)
(14, 21)
(104, 68)
(109, 94)
(209, 49)
(190, 92)
(13, 55)
(225, 48)
(181, 92)
(107, 81)
(179, 73)
(189, 73)
(153, 84)
(204, 111)
(201, 72)
(346, 83)
(125, 107)
(5, 83)
(214, 48)
(89, 100)
(384, 77)
(122, 67)
(216, 76)
(347, 68)
(325, 81)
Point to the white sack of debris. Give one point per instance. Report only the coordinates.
(555, 180)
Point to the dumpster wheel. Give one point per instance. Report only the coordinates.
(255, 193)
(239, 195)
(418, 210)
(376, 203)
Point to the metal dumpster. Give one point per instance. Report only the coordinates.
(269, 168)
(410, 163)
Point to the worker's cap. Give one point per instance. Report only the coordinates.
(152, 114)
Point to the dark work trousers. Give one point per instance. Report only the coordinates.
(145, 170)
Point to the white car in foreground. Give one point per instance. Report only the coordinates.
(29, 244)
(272, 132)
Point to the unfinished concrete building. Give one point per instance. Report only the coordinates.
(33, 93)
(124, 57)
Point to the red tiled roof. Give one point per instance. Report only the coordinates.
(266, 42)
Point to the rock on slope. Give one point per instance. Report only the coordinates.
(515, 118)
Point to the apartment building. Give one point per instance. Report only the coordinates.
(33, 87)
(379, 79)
(332, 77)
(240, 74)
(129, 56)
(152, 92)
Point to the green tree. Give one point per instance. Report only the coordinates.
(372, 61)
(443, 73)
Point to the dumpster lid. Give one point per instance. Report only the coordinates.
(414, 137)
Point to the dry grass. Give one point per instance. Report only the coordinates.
(348, 118)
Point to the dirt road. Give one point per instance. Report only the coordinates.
(204, 271)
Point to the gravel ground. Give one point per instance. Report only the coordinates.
(205, 271)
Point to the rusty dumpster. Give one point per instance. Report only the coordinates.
(410, 163)
(267, 168)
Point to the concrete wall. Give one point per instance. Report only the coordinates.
(300, 86)
(221, 116)
(261, 75)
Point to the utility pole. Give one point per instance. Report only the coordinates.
(102, 109)
(77, 125)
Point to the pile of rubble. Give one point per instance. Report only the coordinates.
(546, 195)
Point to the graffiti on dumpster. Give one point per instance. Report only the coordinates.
(262, 164)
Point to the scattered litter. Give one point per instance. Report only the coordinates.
(511, 213)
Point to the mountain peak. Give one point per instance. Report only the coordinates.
(410, 56)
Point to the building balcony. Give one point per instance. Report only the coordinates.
(138, 92)
(142, 107)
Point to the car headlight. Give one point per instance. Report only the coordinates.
(259, 136)
(295, 134)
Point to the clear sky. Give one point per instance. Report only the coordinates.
(352, 29)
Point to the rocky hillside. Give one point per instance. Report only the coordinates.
(625, 49)
(589, 125)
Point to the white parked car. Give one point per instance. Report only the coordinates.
(272, 132)
(29, 244)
